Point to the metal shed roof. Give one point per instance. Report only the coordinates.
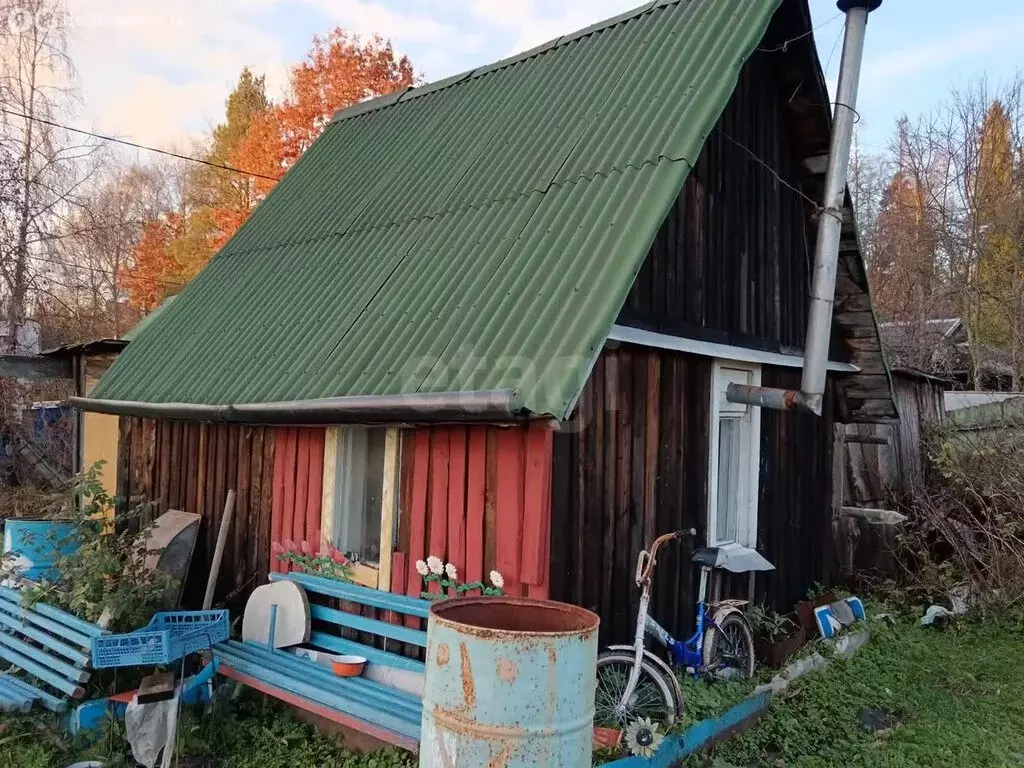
(477, 234)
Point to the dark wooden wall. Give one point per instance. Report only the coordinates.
(630, 465)
(633, 464)
(191, 467)
(732, 261)
(794, 529)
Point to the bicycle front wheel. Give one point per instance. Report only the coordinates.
(729, 648)
(653, 696)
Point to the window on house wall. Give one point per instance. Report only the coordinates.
(360, 493)
(734, 459)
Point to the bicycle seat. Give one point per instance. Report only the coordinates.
(731, 557)
(705, 556)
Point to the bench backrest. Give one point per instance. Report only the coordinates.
(48, 645)
(372, 598)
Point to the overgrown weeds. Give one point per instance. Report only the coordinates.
(252, 733)
(965, 529)
(107, 573)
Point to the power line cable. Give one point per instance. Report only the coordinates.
(127, 143)
(107, 272)
(818, 207)
(784, 46)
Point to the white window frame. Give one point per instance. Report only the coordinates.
(725, 372)
(335, 443)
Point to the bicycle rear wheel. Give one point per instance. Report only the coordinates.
(729, 648)
(653, 696)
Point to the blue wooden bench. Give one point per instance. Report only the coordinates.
(47, 651)
(362, 703)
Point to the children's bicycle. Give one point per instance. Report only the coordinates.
(633, 682)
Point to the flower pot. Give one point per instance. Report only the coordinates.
(348, 666)
(775, 653)
(805, 610)
(607, 738)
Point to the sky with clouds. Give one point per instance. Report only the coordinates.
(158, 72)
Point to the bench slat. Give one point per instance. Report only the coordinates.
(410, 742)
(262, 664)
(63, 617)
(14, 685)
(14, 609)
(309, 672)
(22, 628)
(372, 626)
(75, 674)
(13, 699)
(375, 598)
(41, 672)
(373, 655)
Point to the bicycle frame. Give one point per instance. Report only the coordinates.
(687, 653)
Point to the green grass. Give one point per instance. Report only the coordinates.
(251, 734)
(959, 694)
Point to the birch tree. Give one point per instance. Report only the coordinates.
(44, 168)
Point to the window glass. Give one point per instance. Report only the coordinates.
(729, 455)
(358, 490)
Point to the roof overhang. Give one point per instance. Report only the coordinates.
(433, 407)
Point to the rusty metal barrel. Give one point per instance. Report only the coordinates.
(509, 682)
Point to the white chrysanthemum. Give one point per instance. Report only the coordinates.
(421, 568)
(451, 571)
(642, 737)
(497, 580)
(435, 565)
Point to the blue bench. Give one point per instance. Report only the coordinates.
(47, 650)
(366, 704)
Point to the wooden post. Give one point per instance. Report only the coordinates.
(218, 552)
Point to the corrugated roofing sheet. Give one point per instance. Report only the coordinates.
(478, 233)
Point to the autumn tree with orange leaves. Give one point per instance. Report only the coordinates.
(265, 139)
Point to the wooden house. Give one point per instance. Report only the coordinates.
(492, 318)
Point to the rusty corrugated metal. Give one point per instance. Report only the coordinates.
(509, 682)
(476, 234)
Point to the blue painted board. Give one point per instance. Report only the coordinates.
(82, 626)
(337, 644)
(339, 697)
(76, 674)
(48, 700)
(77, 639)
(43, 638)
(674, 748)
(410, 606)
(373, 626)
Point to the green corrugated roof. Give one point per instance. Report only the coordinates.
(478, 233)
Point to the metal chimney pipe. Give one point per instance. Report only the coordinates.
(830, 225)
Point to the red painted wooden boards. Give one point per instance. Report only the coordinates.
(446, 512)
(298, 490)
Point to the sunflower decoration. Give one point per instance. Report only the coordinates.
(642, 737)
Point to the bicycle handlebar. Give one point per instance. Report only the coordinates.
(647, 559)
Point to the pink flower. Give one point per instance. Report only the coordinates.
(288, 545)
(306, 549)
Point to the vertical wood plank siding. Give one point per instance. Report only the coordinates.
(873, 474)
(480, 498)
(191, 466)
(633, 464)
(298, 480)
(795, 504)
(731, 263)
